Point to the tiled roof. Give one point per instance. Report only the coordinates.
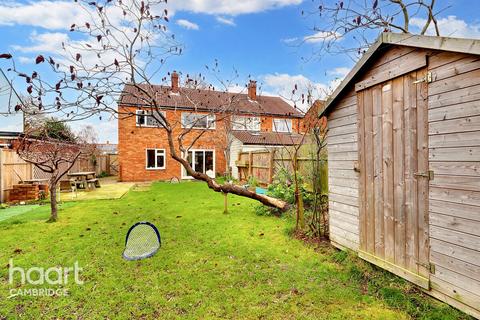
(209, 100)
(268, 138)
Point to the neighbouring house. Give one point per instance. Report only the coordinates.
(143, 147)
(404, 163)
(106, 148)
(7, 138)
(311, 119)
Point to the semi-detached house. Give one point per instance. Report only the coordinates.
(213, 117)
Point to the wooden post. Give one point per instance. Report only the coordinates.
(271, 166)
(225, 195)
(1, 176)
(250, 164)
(107, 160)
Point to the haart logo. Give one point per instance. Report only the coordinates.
(37, 276)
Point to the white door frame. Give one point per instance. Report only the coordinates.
(184, 172)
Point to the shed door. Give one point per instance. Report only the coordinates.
(393, 184)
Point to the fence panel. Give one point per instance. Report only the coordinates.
(12, 170)
(264, 164)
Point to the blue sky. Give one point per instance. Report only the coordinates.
(249, 35)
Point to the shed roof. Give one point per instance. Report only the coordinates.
(469, 46)
(268, 138)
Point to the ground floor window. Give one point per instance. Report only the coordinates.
(201, 161)
(155, 158)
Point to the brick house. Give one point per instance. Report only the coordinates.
(202, 117)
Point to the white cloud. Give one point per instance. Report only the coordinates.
(236, 88)
(227, 21)
(290, 40)
(25, 60)
(60, 14)
(450, 26)
(322, 36)
(187, 24)
(339, 72)
(229, 7)
(46, 14)
(283, 84)
(44, 42)
(108, 132)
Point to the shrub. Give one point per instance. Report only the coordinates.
(253, 182)
(103, 174)
(283, 188)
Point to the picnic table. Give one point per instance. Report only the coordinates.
(84, 180)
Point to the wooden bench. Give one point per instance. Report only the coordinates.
(93, 183)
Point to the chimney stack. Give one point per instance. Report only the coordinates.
(174, 82)
(252, 90)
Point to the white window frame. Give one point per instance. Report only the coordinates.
(184, 172)
(147, 113)
(286, 121)
(211, 120)
(245, 123)
(156, 157)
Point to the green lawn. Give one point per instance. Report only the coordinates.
(211, 265)
(10, 212)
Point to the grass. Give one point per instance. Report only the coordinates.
(211, 265)
(13, 211)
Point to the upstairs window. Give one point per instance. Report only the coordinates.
(198, 120)
(246, 123)
(282, 125)
(145, 118)
(155, 159)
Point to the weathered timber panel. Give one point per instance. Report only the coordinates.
(454, 155)
(342, 147)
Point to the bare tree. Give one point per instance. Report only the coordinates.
(123, 48)
(308, 128)
(88, 134)
(49, 154)
(358, 20)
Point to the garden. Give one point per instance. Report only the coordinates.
(236, 265)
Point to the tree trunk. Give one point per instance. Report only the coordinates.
(53, 202)
(298, 197)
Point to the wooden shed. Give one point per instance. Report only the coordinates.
(404, 163)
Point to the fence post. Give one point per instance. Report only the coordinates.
(250, 164)
(1, 176)
(107, 163)
(271, 166)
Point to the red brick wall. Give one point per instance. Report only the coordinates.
(267, 124)
(311, 117)
(133, 142)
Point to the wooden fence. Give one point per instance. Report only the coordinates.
(107, 163)
(264, 164)
(12, 170)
